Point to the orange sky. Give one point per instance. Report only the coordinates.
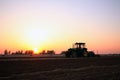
(56, 25)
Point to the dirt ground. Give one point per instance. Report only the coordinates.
(98, 68)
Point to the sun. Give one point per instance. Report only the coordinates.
(36, 36)
(36, 50)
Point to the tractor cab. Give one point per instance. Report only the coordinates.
(79, 45)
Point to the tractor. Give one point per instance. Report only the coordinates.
(79, 50)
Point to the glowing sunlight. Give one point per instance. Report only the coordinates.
(36, 50)
(36, 37)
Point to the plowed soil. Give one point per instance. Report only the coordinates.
(97, 68)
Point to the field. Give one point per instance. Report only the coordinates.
(98, 68)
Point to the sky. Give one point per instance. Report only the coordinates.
(58, 24)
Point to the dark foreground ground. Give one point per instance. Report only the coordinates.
(101, 68)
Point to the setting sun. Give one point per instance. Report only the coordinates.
(36, 51)
(36, 37)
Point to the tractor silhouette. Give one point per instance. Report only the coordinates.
(79, 50)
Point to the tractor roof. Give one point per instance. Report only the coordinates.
(79, 43)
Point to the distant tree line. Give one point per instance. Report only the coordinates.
(48, 52)
(19, 52)
(28, 52)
